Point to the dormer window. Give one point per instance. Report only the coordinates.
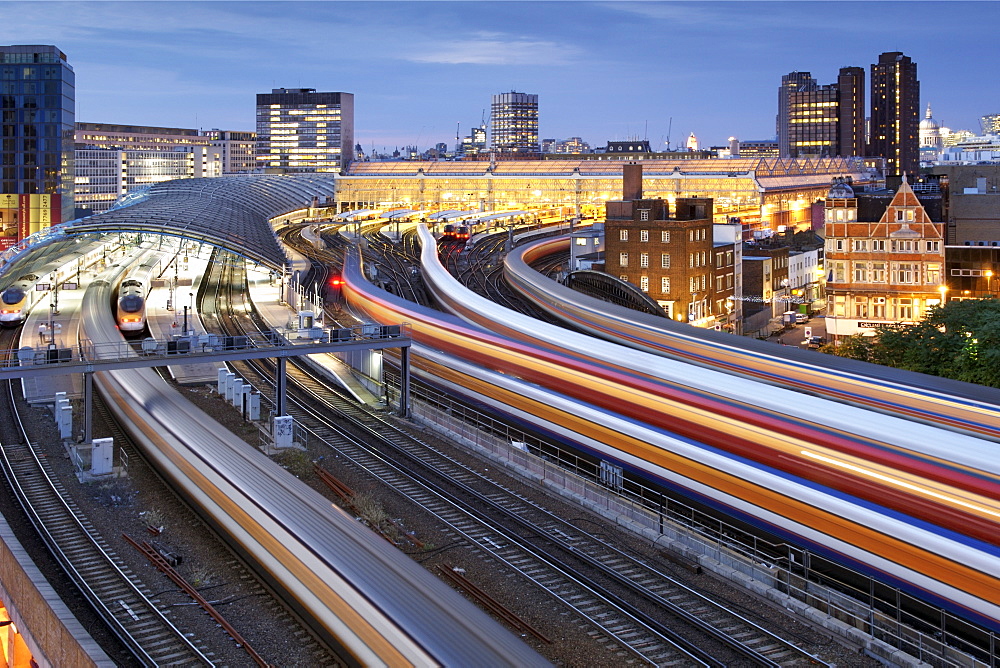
(644, 214)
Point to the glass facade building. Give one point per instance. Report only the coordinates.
(514, 124)
(37, 104)
(824, 121)
(300, 130)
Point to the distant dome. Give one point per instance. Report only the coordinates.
(929, 123)
(930, 132)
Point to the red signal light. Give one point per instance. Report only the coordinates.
(336, 281)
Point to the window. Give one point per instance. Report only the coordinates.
(878, 245)
(644, 214)
(644, 283)
(665, 261)
(839, 271)
(623, 259)
(703, 281)
(903, 308)
(643, 235)
(665, 236)
(693, 284)
(860, 307)
(704, 259)
(690, 259)
(840, 306)
(729, 258)
(878, 272)
(860, 272)
(902, 245)
(643, 260)
(933, 275)
(581, 241)
(665, 284)
(905, 273)
(835, 245)
(878, 308)
(622, 235)
(859, 245)
(932, 246)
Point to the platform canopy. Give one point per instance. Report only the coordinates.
(231, 212)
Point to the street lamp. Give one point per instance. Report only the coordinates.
(943, 289)
(989, 275)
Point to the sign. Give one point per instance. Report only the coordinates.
(808, 331)
(870, 325)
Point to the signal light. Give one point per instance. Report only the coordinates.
(336, 282)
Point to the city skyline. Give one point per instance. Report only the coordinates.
(424, 72)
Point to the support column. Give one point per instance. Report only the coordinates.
(279, 388)
(404, 381)
(88, 403)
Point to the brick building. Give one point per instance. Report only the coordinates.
(669, 258)
(881, 271)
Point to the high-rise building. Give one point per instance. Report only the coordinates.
(790, 83)
(895, 110)
(851, 111)
(514, 124)
(300, 130)
(38, 106)
(990, 124)
(824, 121)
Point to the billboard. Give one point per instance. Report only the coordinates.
(23, 215)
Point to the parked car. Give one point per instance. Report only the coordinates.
(815, 341)
(801, 318)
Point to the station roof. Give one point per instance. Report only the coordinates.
(231, 212)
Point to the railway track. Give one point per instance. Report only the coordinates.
(598, 581)
(115, 593)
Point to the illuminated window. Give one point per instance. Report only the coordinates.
(644, 235)
(622, 235)
(665, 260)
(623, 259)
(665, 236)
(643, 260)
(644, 214)
(665, 284)
(644, 283)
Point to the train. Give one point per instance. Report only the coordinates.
(943, 402)
(359, 593)
(132, 293)
(19, 296)
(880, 495)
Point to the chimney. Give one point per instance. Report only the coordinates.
(631, 181)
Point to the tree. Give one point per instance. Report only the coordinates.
(959, 340)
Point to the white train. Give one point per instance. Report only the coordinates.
(132, 294)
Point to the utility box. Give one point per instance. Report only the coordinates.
(102, 456)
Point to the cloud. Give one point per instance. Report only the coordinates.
(493, 49)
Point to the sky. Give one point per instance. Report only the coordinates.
(423, 72)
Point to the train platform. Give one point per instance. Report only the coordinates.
(266, 296)
(47, 327)
(167, 323)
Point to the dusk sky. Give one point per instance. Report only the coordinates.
(605, 70)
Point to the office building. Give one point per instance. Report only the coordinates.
(105, 174)
(514, 124)
(237, 149)
(895, 110)
(990, 124)
(300, 130)
(38, 106)
(823, 121)
(145, 137)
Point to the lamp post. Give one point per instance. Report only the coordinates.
(989, 276)
(943, 289)
(191, 306)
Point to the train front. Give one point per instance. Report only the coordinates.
(131, 308)
(12, 306)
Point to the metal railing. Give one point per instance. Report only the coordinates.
(880, 611)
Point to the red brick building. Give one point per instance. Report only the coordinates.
(669, 258)
(885, 271)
